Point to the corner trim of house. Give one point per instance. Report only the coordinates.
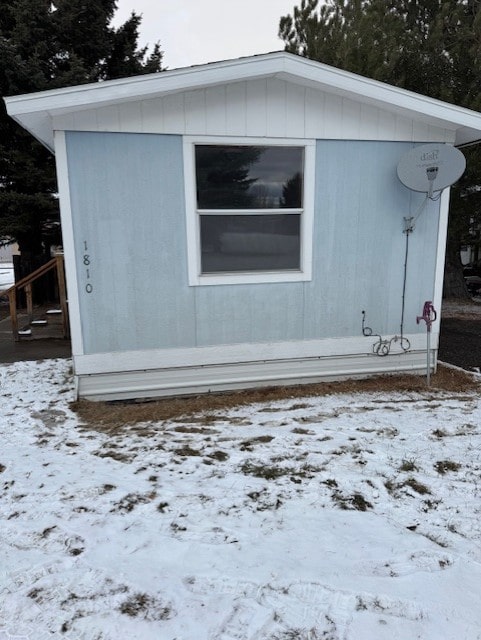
(441, 254)
(68, 241)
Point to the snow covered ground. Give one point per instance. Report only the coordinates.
(341, 517)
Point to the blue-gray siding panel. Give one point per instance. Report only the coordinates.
(249, 313)
(127, 196)
(359, 244)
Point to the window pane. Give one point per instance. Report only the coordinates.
(245, 177)
(250, 242)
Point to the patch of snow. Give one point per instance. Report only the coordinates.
(340, 517)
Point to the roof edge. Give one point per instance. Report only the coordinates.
(290, 67)
(146, 82)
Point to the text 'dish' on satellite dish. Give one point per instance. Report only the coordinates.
(431, 167)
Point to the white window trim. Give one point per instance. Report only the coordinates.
(196, 278)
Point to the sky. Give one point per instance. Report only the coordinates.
(194, 32)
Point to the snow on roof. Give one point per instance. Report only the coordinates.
(35, 111)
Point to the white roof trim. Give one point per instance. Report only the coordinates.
(34, 111)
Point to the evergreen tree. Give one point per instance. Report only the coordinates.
(48, 44)
(432, 47)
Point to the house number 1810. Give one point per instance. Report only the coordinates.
(86, 261)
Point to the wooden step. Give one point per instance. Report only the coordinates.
(45, 325)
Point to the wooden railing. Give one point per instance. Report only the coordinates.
(26, 284)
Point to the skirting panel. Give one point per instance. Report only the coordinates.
(224, 377)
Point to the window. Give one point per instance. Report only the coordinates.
(249, 210)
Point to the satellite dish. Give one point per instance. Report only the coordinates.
(431, 167)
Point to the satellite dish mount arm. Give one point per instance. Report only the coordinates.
(432, 173)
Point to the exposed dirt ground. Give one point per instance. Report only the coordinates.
(112, 416)
(460, 341)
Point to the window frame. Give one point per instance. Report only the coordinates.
(193, 214)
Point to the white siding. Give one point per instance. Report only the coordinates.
(174, 114)
(235, 109)
(295, 112)
(215, 110)
(108, 117)
(195, 111)
(130, 114)
(260, 108)
(87, 120)
(137, 374)
(152, 116)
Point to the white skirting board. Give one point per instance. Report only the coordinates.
(186, 380)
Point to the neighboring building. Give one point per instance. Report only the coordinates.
(227, 225)
(7, 253)
(7, 276)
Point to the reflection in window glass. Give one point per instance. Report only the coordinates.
(249, 242)
(249, 177)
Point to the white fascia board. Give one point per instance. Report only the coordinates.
(146, 86)
(467, 136)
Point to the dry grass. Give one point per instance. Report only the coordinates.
(111, 416)
(465, 309)
(145, 606)
(356, 502)
(443, 466)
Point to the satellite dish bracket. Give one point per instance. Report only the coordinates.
(432, 173)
